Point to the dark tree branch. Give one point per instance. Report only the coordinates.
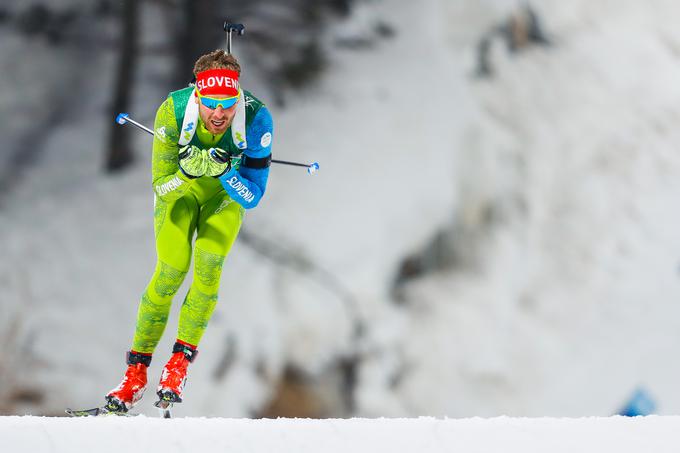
(119, 151)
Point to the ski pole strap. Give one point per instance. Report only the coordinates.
(256, 162)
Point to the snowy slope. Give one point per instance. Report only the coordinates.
(426, 435)
(572, 301)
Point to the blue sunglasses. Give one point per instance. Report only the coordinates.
(213, 103)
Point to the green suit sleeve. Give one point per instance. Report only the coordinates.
(169, 183)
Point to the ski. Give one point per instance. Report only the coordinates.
(166, 399)
(96, 412)
(113, 407)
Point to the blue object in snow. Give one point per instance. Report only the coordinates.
(639, 404)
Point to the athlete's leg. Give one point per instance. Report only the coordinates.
(174, 225)
(219, 222)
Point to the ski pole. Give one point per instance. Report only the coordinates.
(124, 118)
(240, 29)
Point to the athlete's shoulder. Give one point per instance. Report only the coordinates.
(165, 123)
(181, 98)
(166, 111)
(263, 118)
(259, 134)
(252, 103)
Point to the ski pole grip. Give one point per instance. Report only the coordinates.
(122, 118)
(313, 168)
(240, 29)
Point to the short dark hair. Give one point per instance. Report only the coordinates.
(217, 59)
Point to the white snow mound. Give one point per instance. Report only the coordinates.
(422, 435)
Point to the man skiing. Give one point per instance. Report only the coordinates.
(211, 157)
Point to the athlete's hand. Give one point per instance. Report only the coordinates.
(219, 162)
(193, 161)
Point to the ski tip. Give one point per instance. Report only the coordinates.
(97, 412)
(122, 118)
(313, 168)
(84, 413)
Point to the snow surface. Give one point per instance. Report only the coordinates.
(569, 300)
(423, 435)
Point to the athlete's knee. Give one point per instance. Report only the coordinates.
(167, 280)
(207, 269)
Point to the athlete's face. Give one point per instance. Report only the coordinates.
(218, 120)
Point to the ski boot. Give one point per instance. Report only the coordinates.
(130, 390)
(174, 376)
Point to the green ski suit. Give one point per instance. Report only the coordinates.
(183, 208)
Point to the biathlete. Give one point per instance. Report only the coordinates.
(211, 156)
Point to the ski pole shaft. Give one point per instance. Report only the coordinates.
(240, 29)
(124, 118)
(285, 162)
(311, 168)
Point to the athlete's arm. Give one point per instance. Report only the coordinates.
(247, 185)
(169, 182)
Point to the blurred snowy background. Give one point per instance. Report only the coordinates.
(493, 230)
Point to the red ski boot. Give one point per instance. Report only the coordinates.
(131, 388)
(174, 374)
